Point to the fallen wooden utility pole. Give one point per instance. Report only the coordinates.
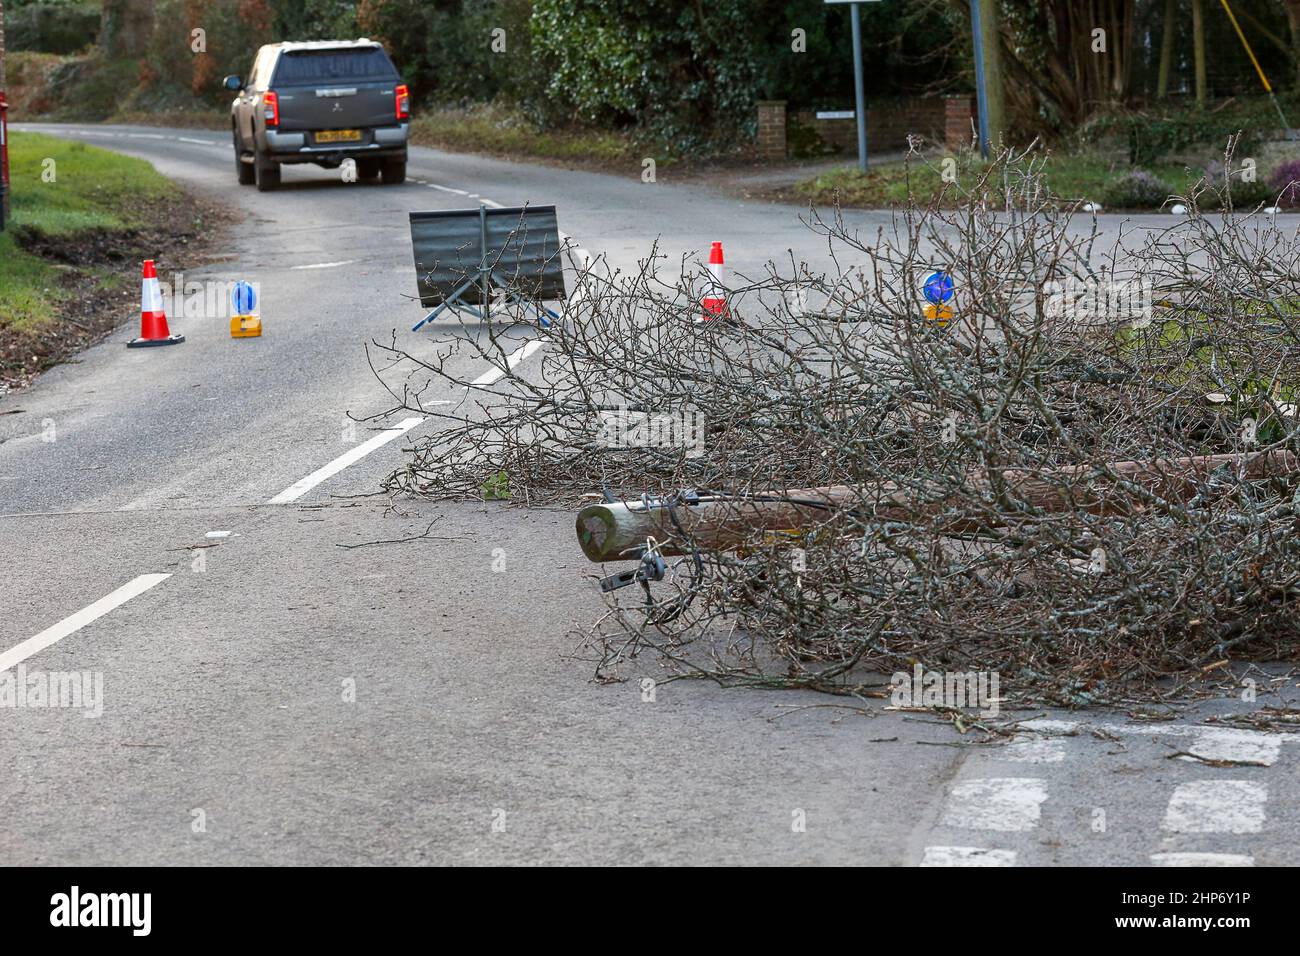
(613, 531)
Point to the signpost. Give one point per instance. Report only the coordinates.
(4, 131)
(988, 73)
(981, 89)
(858, 91)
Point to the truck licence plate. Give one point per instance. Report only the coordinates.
(339, 136)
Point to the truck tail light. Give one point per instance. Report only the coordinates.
(271, 108)
(403, 102)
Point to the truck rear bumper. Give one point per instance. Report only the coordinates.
(384, 140)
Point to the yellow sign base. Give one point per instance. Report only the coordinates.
(940, 315)
(245, 326)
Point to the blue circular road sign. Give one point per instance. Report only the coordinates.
(243, 298)
(938, 287)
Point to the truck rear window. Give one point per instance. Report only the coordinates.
(311, 66)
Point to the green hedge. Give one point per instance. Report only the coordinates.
(52, 27)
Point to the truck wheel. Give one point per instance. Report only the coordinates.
(368, 168)
(266, 172)
(394, 172)
(243, 170)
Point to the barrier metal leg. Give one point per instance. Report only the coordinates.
(449, 303)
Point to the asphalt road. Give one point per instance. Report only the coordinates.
(280, 699)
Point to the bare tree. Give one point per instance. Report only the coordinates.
(1293, 22)
(1064, 58)
(1086, 479)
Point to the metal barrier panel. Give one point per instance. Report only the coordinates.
(519, 245)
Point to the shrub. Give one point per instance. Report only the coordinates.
(1286, 181)
(1220, 182)
(1154, 136)
(1137, 189)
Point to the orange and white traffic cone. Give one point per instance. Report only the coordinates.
(153, 320)
(715, 301)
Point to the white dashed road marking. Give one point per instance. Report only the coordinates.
(352, 456)
(513, 359)
(997, 803)
(1216, 806)
(324, 265)
(75, 622)
(967, 856)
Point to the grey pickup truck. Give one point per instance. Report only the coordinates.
(322, 102)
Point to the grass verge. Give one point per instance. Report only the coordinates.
(1082, 177)
(81, 217)
(496, 131)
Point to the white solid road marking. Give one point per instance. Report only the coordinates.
(1216, 806)
(75, 622)
(324, 265)
(1202, 859)
(513, 359)
(353, 455)
(997, 803)
(967, 856)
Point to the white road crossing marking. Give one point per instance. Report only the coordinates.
(1068, 727)
(352, 456)
(967, 856)
(996, 803)
(1202, 859)
(1243, 745)
(513, 359)
(1216, 806)
(1027, 749)
(75, 622)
